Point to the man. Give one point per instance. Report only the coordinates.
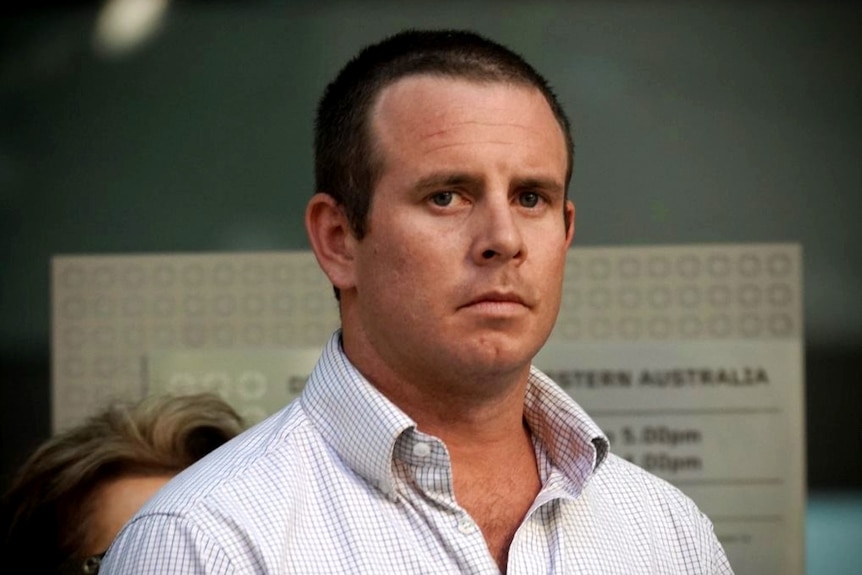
(424, 441)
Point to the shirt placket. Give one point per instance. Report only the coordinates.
(428, 486)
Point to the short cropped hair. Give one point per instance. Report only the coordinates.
(47, 508)
(347, 161)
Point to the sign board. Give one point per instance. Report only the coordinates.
(689, 357)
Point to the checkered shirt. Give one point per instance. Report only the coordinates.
(342, 481)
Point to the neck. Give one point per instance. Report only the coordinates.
(469, 409)
(467, 421)
(479, 416)
(457, 402)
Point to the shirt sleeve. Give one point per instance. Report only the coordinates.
(720, 563)
(159, 544)
(715, 560)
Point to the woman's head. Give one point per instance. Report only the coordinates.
(78, 488)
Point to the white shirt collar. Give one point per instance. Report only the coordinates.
(339, 401)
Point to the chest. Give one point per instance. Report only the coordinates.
(498, 503)
(413, 534)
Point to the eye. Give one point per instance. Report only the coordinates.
(442, 199)
(529, 199)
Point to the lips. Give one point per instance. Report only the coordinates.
(496, 297)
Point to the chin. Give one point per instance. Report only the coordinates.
(503, 352)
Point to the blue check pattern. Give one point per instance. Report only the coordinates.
(342, 481)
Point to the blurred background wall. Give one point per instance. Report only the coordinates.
(695, 122)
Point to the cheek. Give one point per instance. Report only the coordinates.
(550, 262)
(408, 256)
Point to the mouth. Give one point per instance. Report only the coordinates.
(496, 300)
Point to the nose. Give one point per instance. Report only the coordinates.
(498, 233)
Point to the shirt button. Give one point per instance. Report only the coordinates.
(466, 526)
(389, 492)
(421, 450)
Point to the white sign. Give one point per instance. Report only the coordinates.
(721, 420)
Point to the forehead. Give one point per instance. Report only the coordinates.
(428, 113)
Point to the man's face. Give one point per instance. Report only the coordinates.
(460, 273)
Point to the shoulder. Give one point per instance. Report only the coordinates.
(236, 505)
(161, 543)
(260, 469)
(659, 508)
(651, 503)
(633, 486)
(657, 512)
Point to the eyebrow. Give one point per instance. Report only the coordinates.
(547, 184)
(455, 179)
(446, 180)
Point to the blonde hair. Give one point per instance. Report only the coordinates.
(46, 507)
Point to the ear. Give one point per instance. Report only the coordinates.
(331, 239)
(570, 222)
